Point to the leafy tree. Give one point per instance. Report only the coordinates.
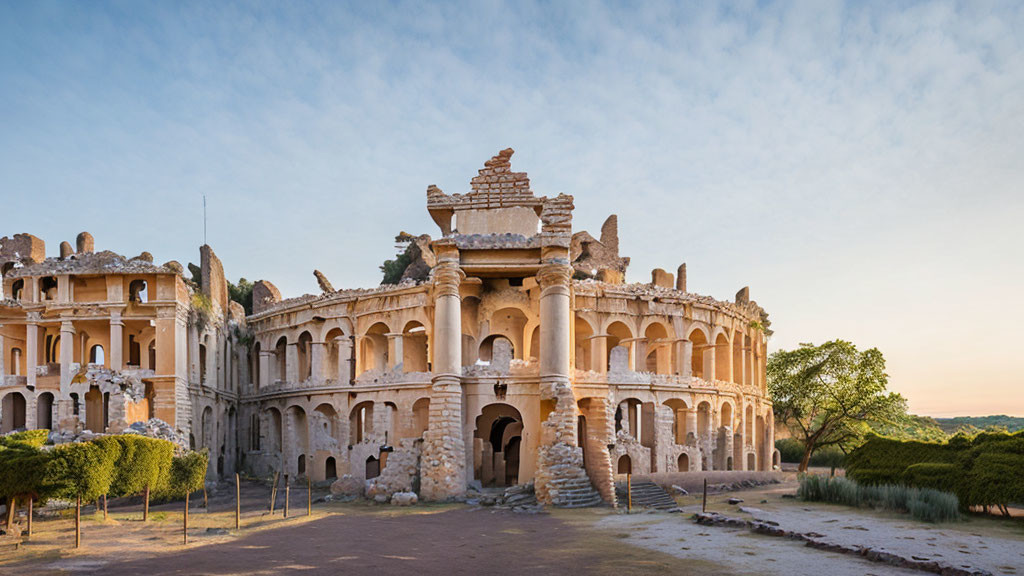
(393, 269)
(829, 395)
(241, 293)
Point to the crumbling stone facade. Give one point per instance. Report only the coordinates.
(513, 353)
(94, 342)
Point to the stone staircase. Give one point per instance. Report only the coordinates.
(647, 494)
(576, 492)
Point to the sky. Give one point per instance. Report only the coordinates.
(859, 166)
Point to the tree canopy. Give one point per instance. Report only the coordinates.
(832, 394)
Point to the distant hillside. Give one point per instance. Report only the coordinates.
(972, 424)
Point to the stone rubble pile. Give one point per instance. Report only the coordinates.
(154, 428)
(521, 498)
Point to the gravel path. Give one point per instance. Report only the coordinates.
(958, 544)
(741, 550)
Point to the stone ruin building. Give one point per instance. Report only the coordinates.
(510, 352)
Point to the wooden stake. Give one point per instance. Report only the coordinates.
(309, 496)
(104, 507)
(78, 521)
(30, 518)
(184, 528)
(629, 492)
(273, 494)
(287, 494)
(206, 503)
(238, 503)
(704, 503)
(145, 508)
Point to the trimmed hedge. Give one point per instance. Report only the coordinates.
(986, 470)
(188, 473)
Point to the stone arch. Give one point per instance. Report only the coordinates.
(44, 411)
(496, 348)
(584, 332)
(726, 414)
(280, 370)
(17, 362)
(414, 347)
(617, 332)
(679, 411)
(420, 416)
(658, 358)
(361, 422)
(297, 429)
(330, 468)
(326, 432)
(509, 322)
(722, 363)
(749, 377)
(337, 344)
(275, 430)
(97, 355)
(499, 431)
(373, 348)
(13, 412)
(624, 465)
(699, 339)
(303, 356)
(683, 463)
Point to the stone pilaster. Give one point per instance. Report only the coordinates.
(116, 341)
(67, 356)
(442, 473)
(32, 348)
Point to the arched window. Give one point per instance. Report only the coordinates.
(138, 291)
(96, 355)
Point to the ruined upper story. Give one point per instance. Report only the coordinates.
(503, 234)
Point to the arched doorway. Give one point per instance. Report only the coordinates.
(331, 468)
(684, 462)
(12, 412)
(499, 428)
(625, 465)
(44, 411)
(372, 467)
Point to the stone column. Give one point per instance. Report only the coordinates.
(116, 341)
(264, 361)
(3, 349)
(599, 353)
(769, 421)
(559, 459)
(709, 363)
(193, 345)
(32, 348)
(691, 424)
(316, 363)
(742, 433)
(684, 359)
(444, 453)
(344, 347)
(396, 354)
(67, 356)
(291, 359)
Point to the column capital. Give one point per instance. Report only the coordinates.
(554, 273)
(447, 277)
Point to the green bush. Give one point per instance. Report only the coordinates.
(34, 438)
(141, 463)
(84, 469)
(921, 503)
(188, 473)
(791, 451)
(984, 470)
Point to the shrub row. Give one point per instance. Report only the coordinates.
(122, 465)
(922, 503)
(984, 470)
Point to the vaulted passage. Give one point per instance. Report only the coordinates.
(496, 445)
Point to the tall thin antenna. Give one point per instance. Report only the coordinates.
(204, 219)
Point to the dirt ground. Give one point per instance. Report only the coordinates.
(363, 538)
(356, 538)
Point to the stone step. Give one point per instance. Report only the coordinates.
(647, 494)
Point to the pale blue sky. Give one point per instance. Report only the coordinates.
(859, 167)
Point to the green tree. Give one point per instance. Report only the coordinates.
(241, 293)
(188, 473)
(829, 395)
(23, 469)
